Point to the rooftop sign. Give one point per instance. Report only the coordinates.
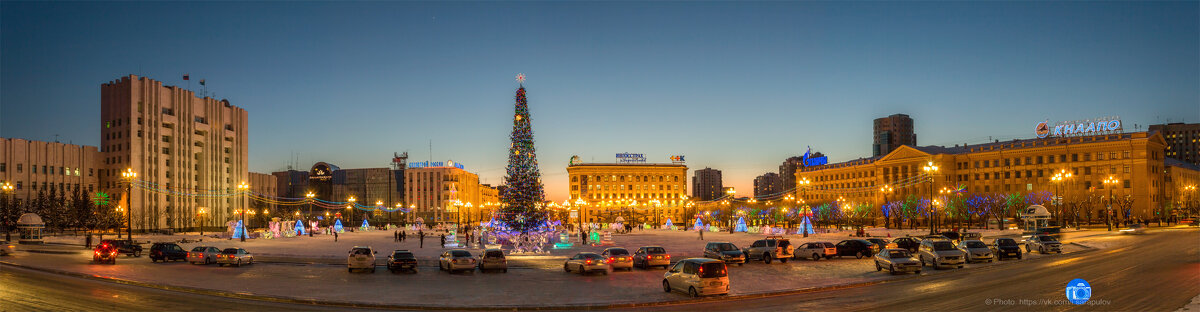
(814, 161)
(631, 158)
(1076, 128)
(434, 164)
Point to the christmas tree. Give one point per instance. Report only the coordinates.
(524, 195)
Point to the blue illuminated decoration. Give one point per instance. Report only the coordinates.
(816, 161)
(741, 225)
(435, 164)
(806, 226)
(337, 226)
(300, 228)
(239, 231)
(365, 225)
(669, 224)
(631, 158)
(698, 224)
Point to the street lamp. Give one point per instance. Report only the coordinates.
(350, 210)
(931, 170)
(310, 195)
(242, 188)
(129, 176)
(1110, 182)
(1058, 180)
(7, 188)
(201, 213)
(886, 190)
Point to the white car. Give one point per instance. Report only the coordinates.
(203, 255)
(235, 257)
(897, 260)
(697, 277)
(362, 258)
(939, 253)
(1043, 244)
(816, 251)
(6, 248)
(618, 258)
(586, 262)
(976, 251)
(456, 260)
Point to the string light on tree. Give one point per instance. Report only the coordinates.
(522, 199)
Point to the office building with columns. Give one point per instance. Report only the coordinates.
(33, 167)
(637, 192)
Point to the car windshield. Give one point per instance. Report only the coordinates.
(1006, 242)
(229, 251)
(618, 252)
(494, 254)
(942, 245)
(199, 249)
(726, 247)
(403, 255)
(656, 250)
(1047, 238)
(460, 253)
(976, 244)
(712, 269)
(361, 251)
(898, 254)
(592, 256)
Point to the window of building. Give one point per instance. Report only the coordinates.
(1062, 158)
(1087, 157)
(1074, 157)
(1125, 154)
(1039, 160)
(1040, 173)
(1087, 170)
(1007, 175)
(1127, 185)
(1007, 162)
(1125, 170)
(995, 163)
(3, 167)
(986, 164)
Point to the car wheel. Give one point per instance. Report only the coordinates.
(1041, 250)
(137, 253)
(766, 258)
(666, 286)
(1027, 248)
(858, 255)
(816, 257)
(505, 270)
(918, 272)
(349, 270)
(605, 272)
(828, 257)
(566, 268)
(877, 267)
(783, 260)
(239, 262)
(892, 269)
(692, 292)
(372, 270)
(582, 272)
(922, 260)
(152, 260)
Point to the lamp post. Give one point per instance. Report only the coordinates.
(242, 188)
(129, 176)
(1191, 190)
(7, 188)
(350, 210)
(886, 190)
(931, 170)
(201, 213)
(310, 197)
(1111, 182)
(1058, 180)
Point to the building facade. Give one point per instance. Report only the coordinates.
(891, 132)
(706, 184)
(1182, 181)
(444, 194)
(1183, 140)
(32, 167)
(266, 184)
(173, 140)
(637, 192)
(767, 184)
(1135, 160)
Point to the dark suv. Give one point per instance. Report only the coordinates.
(724, 251)
(1006, 248)
(907, 243)
(402, 260)
(856, 247)
(129, 248)
(167, 252)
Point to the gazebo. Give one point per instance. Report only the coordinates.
(1035, 217)
(30, 226)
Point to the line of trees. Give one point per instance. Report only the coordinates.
(61, 211)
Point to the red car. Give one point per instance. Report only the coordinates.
(105, 253)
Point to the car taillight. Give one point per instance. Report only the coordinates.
(97, 252)
(668, 256)
(701, 271)
(610, 260)
(589, 261)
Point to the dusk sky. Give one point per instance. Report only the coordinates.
(733, 86)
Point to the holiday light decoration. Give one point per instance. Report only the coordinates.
(699, 224)
(300, 228)
(522, 200)
(741, 225)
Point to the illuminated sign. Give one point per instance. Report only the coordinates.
(814, 161)
(435, 164)
(677, 159)
(1074, 128)
(575, 161)
(631, 158)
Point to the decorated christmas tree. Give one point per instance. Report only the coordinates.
(524, 195)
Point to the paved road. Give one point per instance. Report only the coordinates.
(28, 290)
(1158, 272)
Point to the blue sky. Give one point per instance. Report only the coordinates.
(733, 86)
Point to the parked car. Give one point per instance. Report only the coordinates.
(203, 254)
(976, 251)
(235, 257)
(1006, 248)
(940, 253)
(167, 252)
(456, 260)
(971, 236)
(1054, 231)
(816, 251)
(585, 262)
(951, 235)
(402, 260)
(1134, 229)
(1043, 244)
(126, 247)
(697, 277)
(362, 258)
(771, 248)
(856, 247)
(105, 252)
(493, 259)
(651, 256)
(6, 248)
(935, 236)
(618, 258)
(908, 243)
(882, 243)
(897, 260)
(724, 251)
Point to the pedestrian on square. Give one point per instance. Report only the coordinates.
(443, 240)
(335, 236)
(422, 237)
(701, 233)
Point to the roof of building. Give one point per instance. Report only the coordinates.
(30, 219)
(629, 164)
(1172, 162)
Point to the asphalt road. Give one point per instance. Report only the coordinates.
(1158, 272)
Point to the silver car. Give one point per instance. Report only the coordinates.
(1043, 244)
(585, 262)
(456, 260)
(897, 260)
(203, 255)
(493, 259)
(976, 251)
(939, 253)
(235, 257)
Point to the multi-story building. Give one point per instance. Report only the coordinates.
(706, 184)
(787, 170)
(173, 140)
(637, 192)
(367, 186)
(1135, 160)
(1183, 140)
(891, 132)
(266, 184)
(1182, 181)
(767, 184)
(443, 192)
(33, 167)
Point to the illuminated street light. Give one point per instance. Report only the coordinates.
(931, 170)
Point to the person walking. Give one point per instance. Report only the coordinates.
(443, 240)
(701, 233)
(335, 236)
(422, 238)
